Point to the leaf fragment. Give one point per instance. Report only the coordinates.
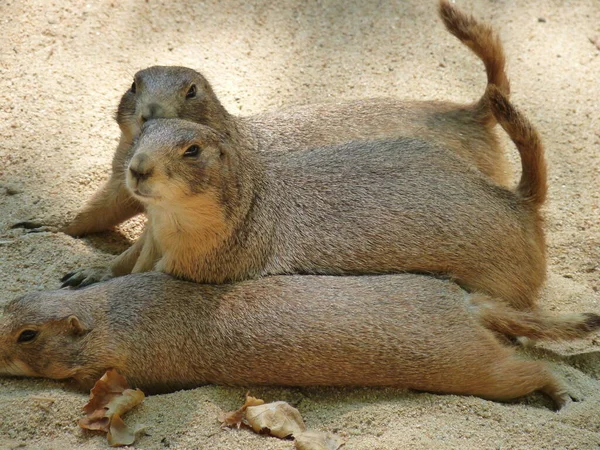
(316, 440)
(279, 419)
(109, 399)
(235, 418)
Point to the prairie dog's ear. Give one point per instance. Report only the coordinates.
(76, 326)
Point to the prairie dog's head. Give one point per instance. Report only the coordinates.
(40, 336)
(169, 92)
(175, 161)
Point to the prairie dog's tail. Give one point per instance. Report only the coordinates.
(485, 43)
(533, 184)
(535, 325)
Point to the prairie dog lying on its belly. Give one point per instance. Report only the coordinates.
(408, 331)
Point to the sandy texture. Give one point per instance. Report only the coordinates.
(64, 65)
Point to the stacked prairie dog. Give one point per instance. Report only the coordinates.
(219, 211)
(357, 188)
(235, 212)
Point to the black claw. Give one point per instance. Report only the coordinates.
(74, 281)
(27, 224)
(67, 276)
(87, 282)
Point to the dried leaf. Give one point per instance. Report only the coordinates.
(110, 398)
(120, 434)
(595, 41)
(315, 440)
(111, 385)
(235, 418)
(279, 418)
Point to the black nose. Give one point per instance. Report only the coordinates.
(140, 175)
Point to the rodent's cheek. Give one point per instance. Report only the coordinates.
(130, 126)
(16, 367)
(58, 372)
(134, 129)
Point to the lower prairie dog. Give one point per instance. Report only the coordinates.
(220, 212)
(163, 334)
(180, 92)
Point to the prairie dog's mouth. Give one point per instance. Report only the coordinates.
(138, 193)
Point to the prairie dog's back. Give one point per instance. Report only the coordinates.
(229, 333)
(439, 215)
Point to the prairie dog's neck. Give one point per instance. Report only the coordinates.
(188, 231)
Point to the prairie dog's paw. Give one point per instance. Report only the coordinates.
(32, 226)
(85, 277)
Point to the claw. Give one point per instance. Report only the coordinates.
(27, 224)
(72, 282)
(67, 276)
(87, 282)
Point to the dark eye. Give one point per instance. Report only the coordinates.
(191, 93)
(27, 336)
(133, 87)
(192, 151)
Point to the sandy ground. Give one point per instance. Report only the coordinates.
(64, 65)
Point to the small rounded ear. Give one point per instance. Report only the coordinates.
(76, 326)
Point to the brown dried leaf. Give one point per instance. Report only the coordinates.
(110, 398)
(595, 41)
(120, 434)
(235, 418)
(111, 385)
(316, 440)
(279, 418)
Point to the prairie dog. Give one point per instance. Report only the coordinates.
(220, 212)
(163, 334)
(179, 92)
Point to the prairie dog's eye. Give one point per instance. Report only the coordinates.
(192, 150)
(191, 93)
(27, 336)
(133, 87)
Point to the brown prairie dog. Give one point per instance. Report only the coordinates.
(179, 92)
(162, 334)
(219, 211)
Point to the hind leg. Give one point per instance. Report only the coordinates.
(513, 377)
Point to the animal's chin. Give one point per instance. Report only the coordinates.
(145, 197)
(141, 195)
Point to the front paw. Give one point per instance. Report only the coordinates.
(85, 277)
(32, 226)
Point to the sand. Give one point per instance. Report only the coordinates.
(64, 65)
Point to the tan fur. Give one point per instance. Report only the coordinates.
(364, 207)
(535, 325)
(173, 229)
(161, 93)
(485, 43)
(407, 331)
